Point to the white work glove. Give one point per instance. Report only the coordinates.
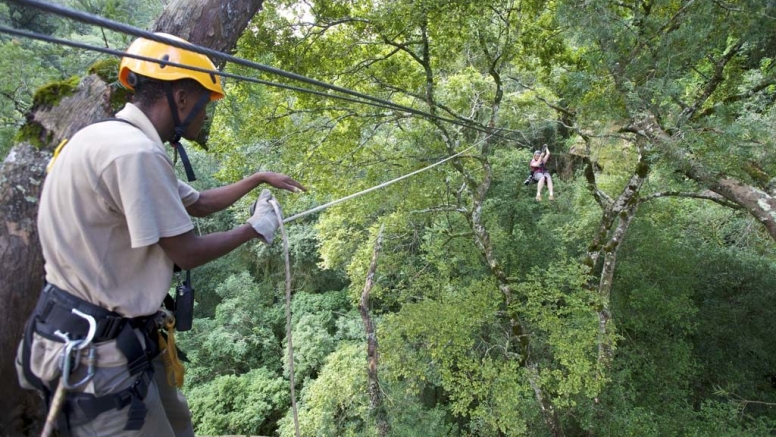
(263, 218)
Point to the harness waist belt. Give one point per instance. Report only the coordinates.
(54, 312)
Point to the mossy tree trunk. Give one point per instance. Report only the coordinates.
(60, 111)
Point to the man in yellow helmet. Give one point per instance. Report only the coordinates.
(113, 220)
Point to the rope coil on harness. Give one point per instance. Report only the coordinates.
(174, 369)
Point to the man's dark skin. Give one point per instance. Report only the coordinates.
(188, 250)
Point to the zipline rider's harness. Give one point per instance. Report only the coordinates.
(62, 317)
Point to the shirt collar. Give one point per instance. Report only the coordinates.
(134, 115)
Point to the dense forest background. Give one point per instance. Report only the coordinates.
(638, 303)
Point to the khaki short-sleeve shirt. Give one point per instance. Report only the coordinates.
(111, 195)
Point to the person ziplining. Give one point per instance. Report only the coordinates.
(540, 174)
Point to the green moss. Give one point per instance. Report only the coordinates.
(106, 69)
(33, 133)
(49, 95)
(119, 96)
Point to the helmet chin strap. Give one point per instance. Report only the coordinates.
(180, 128)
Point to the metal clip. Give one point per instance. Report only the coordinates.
(71, 355)
(92, 328)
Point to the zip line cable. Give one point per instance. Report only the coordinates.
(119, 53)
(110, 51)
(376, 187)
(131, 30)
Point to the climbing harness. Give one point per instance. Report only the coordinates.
(64, 318)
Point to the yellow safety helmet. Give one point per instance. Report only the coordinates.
(161, 71)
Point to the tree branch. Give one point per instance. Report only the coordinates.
(713, 82)
(708, 195)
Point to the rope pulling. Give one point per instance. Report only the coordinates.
(281, 222)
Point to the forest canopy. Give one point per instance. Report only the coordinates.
(638, 302)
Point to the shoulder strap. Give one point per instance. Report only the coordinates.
(114, 119)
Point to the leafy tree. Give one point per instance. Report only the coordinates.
(248, 404)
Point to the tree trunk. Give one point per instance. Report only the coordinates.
(375, 397)
(213, 23)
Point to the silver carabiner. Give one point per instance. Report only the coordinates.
(90, 361)
(71, 354)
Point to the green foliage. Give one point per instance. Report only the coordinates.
(245, 333)
(470, 337)
(313, 331)
(247, 404)
(108, 70)
(30, 65)
(455, 342)
(559, 305)
(336, 402)
(24, 73)
(32, 132)
(450, 358)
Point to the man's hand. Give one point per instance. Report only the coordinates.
(281, 181)
(263, 218)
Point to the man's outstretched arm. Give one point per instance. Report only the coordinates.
(218, 199)
(189, 250)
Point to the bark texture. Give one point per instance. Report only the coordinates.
(213, 24)
(216, 24)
